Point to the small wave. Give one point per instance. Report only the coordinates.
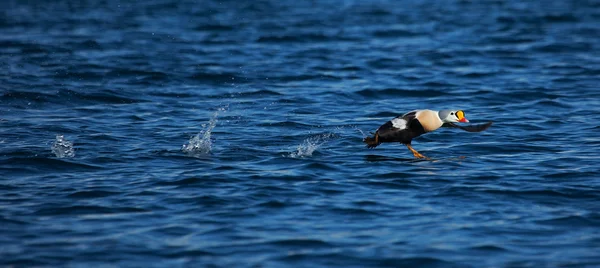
(88, 44)
(560, 18)
(217, 78)
(66, 96)
(63, 148)
(489, 248)
(33, 163)
(562, 47)
(259, 93)
(91, 194)
(263, 93)
(396, 92)
(310, 145)
(86, 210)
(290, 124)
(395, 33)
(201, 143)
(546, 194)
(305, 77)
(186, 182)
(353, 211)
(301, 242)
(273, 204)
(301, 38)
(571, 221)
(214, 28)
(138, 74)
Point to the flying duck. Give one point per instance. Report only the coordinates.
(416, 123)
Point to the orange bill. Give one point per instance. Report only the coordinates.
(461, 117)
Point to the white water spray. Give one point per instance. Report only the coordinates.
(201, 143)
(310, 145)
(62, 148)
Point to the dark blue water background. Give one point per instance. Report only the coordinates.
(229, 133)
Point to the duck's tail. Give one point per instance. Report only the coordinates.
(372, 142)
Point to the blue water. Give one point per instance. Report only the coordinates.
(228, 133)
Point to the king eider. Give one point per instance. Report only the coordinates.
(416, 123)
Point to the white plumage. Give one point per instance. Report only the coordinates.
(399, 123)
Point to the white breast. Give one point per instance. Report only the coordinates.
(429, 120)
(399, 123)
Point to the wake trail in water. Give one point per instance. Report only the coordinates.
(201, 143)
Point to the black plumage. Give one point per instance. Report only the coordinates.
(388, 133)
(471, 128)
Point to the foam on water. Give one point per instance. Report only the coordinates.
(62, 148)
(201, 143)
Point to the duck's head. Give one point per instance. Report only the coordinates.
(450, 116)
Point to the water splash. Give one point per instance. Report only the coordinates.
(63, 148)
(364, 135)
(201, 143)
(310, 145)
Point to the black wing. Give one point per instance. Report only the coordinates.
(388, 129)
(388, 133)
(410, 115)
(470, 128)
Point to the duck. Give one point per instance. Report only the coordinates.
(406, 127)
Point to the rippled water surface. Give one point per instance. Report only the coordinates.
(183, 133)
